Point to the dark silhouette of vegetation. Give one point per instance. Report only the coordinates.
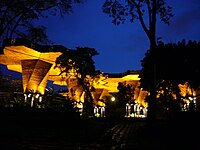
(17, 17)
(176, 63)
(42, 105)
(10, 84)
(58, 103)
(120, 11)
(110, 109)
(123, 96)
(79, 64)
(13, 98)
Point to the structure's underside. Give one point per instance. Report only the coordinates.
(36, 63)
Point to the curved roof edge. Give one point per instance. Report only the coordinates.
(120, 75)
(35, 46)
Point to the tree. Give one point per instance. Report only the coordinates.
(10, 84)
(10, 87)
(58, 103)
(17, 17)
(1, 78)
(177, 63)
(124, 95)
(120, 11)
(79, 64)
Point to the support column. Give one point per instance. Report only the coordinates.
(34, 75)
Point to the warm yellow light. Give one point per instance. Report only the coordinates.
(39, 67)
(131, 77)
(113, 99)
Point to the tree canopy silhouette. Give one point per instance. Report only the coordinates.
(80, 65)
(147, 12)
(123, 96)
(17, 17)
(176, 63)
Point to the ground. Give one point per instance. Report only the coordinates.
(51, 132)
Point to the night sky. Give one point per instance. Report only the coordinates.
(120, 48)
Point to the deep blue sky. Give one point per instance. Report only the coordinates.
(120, 48)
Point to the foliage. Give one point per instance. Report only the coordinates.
(80, 65)
(17, 17)
(58, 103)
(145, 11)
(79, 60)
(176, 63)
(125, 94)
(10, 84)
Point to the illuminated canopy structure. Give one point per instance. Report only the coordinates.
(36, 63)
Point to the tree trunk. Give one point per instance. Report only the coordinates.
(152, 110)
(151, 116)
(88, 110)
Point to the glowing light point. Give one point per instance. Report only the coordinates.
(112, 99)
